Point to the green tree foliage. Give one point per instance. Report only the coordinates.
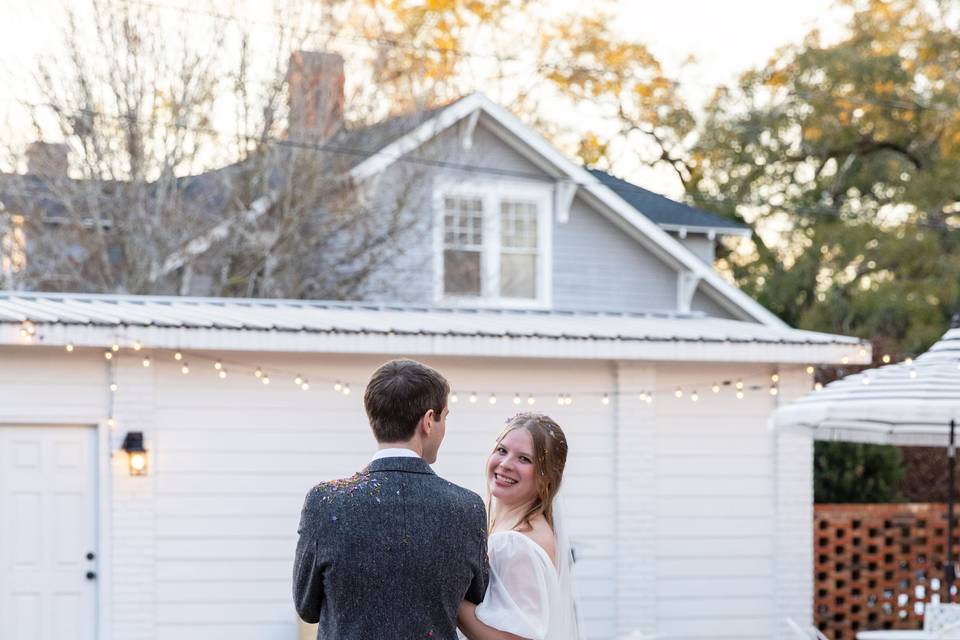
(846, 158)
(848, 472)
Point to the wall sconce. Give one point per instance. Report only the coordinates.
(136, 454)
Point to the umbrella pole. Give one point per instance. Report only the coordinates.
(950, 569)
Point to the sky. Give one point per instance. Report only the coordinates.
(724, 37)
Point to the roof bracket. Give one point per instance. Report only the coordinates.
(467, 126)
(564, 191)
(687, 283)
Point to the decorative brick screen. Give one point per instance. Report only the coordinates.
(877, 565)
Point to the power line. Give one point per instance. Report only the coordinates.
(408, 158)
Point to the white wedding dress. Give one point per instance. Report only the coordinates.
(527, 595)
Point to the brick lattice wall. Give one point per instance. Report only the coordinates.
(877, 565)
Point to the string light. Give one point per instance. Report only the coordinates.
(185, 369)
(531, 400)
(218, 365)
(909, 361)
(305, 386)
(678, 393)
(178, 356)
(913, 373)
(115, 348)
(336, 387)
(775, 378)
(473, 398)
(111, 422)
(113, 387)
(222, 373)
(810, 370)
(739, 395)
(863, 352)
(137, 345)
(844, 359)
(493, 399)
(560, 399)
(694, 396)
(606, 398)
(454, 397)
(298, 380)
(516, 398)
(866, 379)
(265, 379)
(568, 400)
(346, 389)
(774, 390)
(146, 361)
(69, 347)
(739, 385)
(886, 358)
(108, 355)
(715, 388)
(818, 386)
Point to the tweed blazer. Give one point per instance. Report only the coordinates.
(389, 553)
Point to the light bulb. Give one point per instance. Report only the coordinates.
(817, 386)
(137, 345)
(454, 397)
(69, 348)
(886, 358)
(218, 365)
(740, 385)
(222, 373)
(115, 348)
(678, 393)
(108, 355)
(810, 370)
(178, 356)
(346, 389)
(473, 398)
(265, 379)
(560, 399)
(715, 388)
(146, 361)
(516, 398)
(258, 373)
(568, 400)
(694, 396)
(775, 377)
(493, 399)
(298, 380)
(305, 386)
(113, 387)
(605, 399)
(739, 395)
(531, 400)
(774, 391)
(338, 386)
(185, 369)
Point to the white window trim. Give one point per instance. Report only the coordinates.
(492, 192)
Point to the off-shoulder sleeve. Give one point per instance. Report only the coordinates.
(517, 599)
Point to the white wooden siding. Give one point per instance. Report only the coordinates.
(689, 518)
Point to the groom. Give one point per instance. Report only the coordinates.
(392, 551)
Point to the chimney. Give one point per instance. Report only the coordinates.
(47, 159)
(315, 84)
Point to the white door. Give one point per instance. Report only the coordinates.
(48, 554)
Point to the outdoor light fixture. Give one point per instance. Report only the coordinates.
(136, 454)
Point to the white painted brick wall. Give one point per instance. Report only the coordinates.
(636, 543)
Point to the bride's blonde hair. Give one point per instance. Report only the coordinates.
(550, 458)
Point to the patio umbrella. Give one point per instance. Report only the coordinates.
(915, 402)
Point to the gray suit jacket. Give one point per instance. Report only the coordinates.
(389, 553)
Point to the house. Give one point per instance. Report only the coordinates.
(154, 451)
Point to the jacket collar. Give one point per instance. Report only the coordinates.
(408, 465)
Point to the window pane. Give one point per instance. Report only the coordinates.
(461, 272)
(463, 222)
(518, 275)
(518, 224)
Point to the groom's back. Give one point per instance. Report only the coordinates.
(389, 553)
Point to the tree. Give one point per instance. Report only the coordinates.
(846, 158)
(164, 193)
(845, 472)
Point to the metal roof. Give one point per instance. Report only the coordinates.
(312, 326)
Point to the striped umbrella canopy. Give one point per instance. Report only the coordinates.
(909, 403)
(915, 402)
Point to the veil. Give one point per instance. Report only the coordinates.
(566, 560)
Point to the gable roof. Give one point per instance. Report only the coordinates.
(564, 171)
(241, 324)
(668, 213)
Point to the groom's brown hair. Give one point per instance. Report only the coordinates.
(398, 395)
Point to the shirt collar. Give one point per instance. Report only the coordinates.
(394, 452)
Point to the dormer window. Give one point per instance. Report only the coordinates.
(493, 244)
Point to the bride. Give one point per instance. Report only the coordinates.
(530, 595)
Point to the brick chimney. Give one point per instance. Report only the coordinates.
(315, 84)
(47, 159)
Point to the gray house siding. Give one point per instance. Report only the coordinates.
(707, 306)
(596, 266)
(700, 245)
